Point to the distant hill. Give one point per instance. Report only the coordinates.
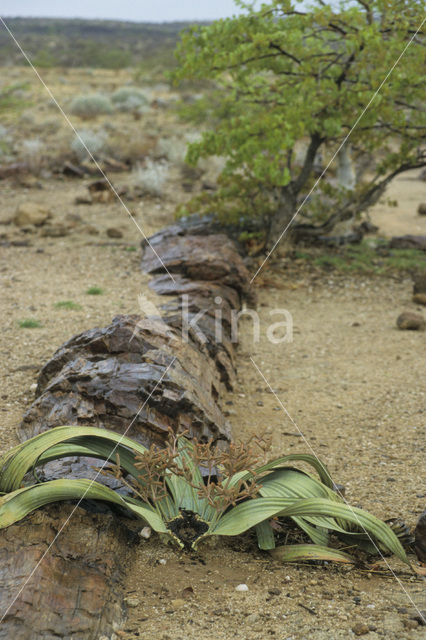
(89, 43)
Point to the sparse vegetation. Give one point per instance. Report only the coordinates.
(90, 106)
(170, 494)
(131, 99)
(87, 140)
(30, 323)
(68, 304)
(94, 291)
(152, 177)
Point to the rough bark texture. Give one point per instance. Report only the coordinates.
(105, 377)
(76, 591)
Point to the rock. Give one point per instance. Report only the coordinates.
(422, 175)
(421, 209)
(419, 298)
(241, 587)
(77, 590)
(411, 624)
(55, 231)
(83, 197)
(178, 603)
(411, 321)
(113, 232)
(274, 591)
(132, 602)
(145, 533)
(90, 229)
(408, 242)
(252, 618)
(360, 629)
(71, 170)
(419, 285)
(420, 538)
(31, 213)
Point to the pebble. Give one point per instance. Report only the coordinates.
(241, 587)
(252, 618)
(113, 232)
(360, 629)
(178, 603)
(162, 561)
(145, 533)
(33, 386)
(132, 602)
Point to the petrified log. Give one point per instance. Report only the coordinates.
(139, 376)
(77, 590)
(200, 258)
(408, 242)
(136, 375)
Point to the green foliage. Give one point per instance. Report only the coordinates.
(68, 304)
(364, 258)
(30, 323)
(90, 106)
(285, 76)
(94, 291)
(130, 99)
(169, 493)
(11, 100)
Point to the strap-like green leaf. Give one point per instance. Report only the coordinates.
(16, 505)
(265, 536)
(248, 514)
(21, 459)
(300, 552)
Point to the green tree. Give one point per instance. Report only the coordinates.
(287, 86)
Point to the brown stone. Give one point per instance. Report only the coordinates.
(421, 209)
(360, 629)
(83, 197)
(31, 213)
(411, 321)
(55, 231)
(420, 538)
(113, 232)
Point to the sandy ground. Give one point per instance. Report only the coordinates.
(352, 383)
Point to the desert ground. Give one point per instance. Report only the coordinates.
(351, 382)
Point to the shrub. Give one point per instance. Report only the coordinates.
(96, 142)
(90, 106)
(131, 99)
(152, 177)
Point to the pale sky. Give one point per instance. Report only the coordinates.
(135, 10)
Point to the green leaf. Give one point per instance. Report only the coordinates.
(301, 552)
(16, 505)
(265, 536)
(68, 440)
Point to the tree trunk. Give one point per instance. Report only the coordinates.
(281, 222)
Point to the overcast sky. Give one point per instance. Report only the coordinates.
(137, 10)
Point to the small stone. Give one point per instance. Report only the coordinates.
(132, 602)
(421, 209)
(178, 603)
(252, 618)
(90, 230)
(411, 321)
(411, 624)
(55, 231)
(162, 561)
(274, 591)
(360, 629)
(419, 298)
(113, 232)
(241, 587)
(33, 387)
(145, 533)
(31, 213)
(83, 197)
